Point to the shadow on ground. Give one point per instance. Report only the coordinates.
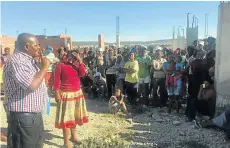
(47, 137)
(97, 106)
(146, 134)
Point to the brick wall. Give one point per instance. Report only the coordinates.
(55, 42)
(7, 41)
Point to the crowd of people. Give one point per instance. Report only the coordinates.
(145, 77)
(126, 78)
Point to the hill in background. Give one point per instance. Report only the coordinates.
(93, 43)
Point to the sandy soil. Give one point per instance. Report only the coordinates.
(101, 124)
(153, 128)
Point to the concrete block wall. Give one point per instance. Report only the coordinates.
(191, 35)
(222, 73)
(181, 42)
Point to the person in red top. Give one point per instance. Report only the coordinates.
(85, 53)
(71, 106)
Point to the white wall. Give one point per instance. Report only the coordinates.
(191, 35)
(174, 42)
(222, 72)
(181, 42)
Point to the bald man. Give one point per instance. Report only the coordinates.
(25, 93)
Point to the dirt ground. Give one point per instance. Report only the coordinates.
(149, 128)
(102, 125)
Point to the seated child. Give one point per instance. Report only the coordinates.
(116, 103)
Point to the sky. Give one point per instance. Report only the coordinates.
(139, 21)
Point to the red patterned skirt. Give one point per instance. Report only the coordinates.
(71, 110)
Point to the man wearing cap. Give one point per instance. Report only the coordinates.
(144, 61)
(99, 86)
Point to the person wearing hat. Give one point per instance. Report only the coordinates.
(144, 61)
(111, 70)
(99, 86)
(100, 55)
(48, 53)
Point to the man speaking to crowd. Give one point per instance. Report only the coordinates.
(25, 93)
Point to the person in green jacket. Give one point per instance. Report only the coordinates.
(144, 61)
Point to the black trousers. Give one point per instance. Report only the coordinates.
(25, 130)
(163, 91)
(201, 106)
(190, 84)
(196, 80)
(131, 92)
(121, 85)
(111, 83)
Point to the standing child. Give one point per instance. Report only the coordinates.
(179, 70)
(173, 80)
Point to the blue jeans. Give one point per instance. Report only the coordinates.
(175, 90)
(25, 130)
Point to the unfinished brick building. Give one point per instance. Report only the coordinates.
(55, 41)
(6, 41)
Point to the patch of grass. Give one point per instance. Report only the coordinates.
(104, 142)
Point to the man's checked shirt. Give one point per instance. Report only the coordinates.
(19, 71)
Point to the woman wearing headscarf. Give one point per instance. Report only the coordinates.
(71, 106)
(48, 53)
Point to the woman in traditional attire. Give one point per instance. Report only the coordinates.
(71, 106)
